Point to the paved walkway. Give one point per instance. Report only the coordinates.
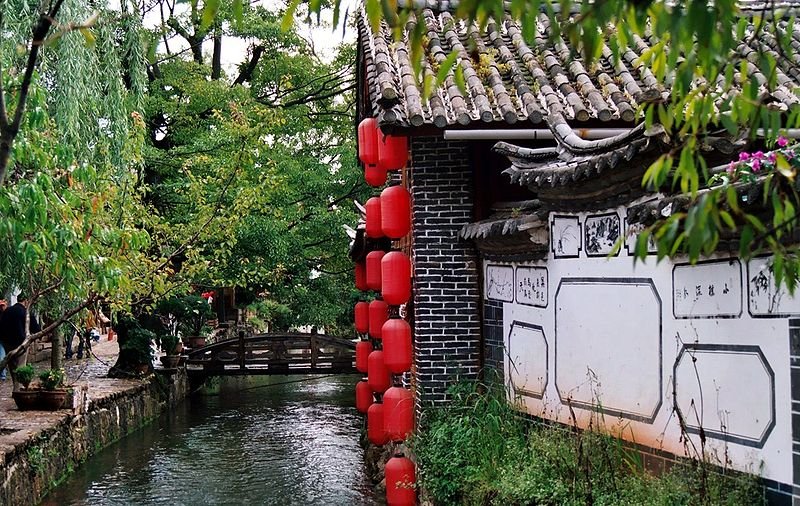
(16, 427)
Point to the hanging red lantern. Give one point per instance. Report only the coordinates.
(364, 397)
(363, 349)
(374, 270)
(392, 151)
(396, 336)
(368, 141)
(373, 228)
(375, 175)
(398, 413)
(395, 278)
(378, 314)
(361, 276)
(401, 481)
(395, 212)
(378, 375)
(375, 432)
(362, 317)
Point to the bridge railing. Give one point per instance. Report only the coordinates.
(275, 354)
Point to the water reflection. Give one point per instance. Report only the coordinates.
(250, 441)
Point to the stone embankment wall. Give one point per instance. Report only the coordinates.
(39, 461)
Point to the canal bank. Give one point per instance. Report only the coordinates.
(38, 449)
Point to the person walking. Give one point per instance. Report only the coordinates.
(12, 333)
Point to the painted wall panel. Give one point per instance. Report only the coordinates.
(603, 356)
(613, 333)
(765, 300)
(527, 350)
(707, 290)
(727, 390)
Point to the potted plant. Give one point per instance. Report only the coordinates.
(192, 314)
(138, 348)
(170, 344)
(26, 398)
(53, 393)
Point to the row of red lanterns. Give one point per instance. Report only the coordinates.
(389, 274)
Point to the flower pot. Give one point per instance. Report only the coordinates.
(52, 400)
(178, 348)
(197, 341)
(26, 399)
(170, 361)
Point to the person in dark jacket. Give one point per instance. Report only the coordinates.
(12, 334)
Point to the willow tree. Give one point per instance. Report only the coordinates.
(72, 224)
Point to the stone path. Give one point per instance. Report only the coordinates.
(18, 427)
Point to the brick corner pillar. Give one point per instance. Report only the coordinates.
(447, 323)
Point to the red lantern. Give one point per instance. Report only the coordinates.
(361, 276)
(362, 317)
(396, 335)
(398, 413)
(395, 212)
(378, 314)
(375, 175)
(368, 141)
(364, 397)
(392, 151)
(400, 482)
(373, 207)
(378, 375)
(374, 270)
(375, 432)
(395, 278)
(363, 349)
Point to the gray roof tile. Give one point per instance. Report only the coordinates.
(508, 81)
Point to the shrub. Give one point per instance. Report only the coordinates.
(168, 343)
(479, 450)
(137, 345)
(52, 379)
(25, 374)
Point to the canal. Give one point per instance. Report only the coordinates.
(261, 440)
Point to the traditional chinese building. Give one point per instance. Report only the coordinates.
(522, 184)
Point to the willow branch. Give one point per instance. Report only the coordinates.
(9, 131)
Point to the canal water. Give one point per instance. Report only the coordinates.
(261, 441)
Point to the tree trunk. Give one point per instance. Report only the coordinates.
(57, 349)
(216, 60)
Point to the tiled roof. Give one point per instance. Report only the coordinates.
(510, 81)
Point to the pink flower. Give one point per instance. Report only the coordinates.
(789, 154)
(782, 141)
(756, 165)
(773, 157)
(743, 157)
(731, 168)
(758, 155)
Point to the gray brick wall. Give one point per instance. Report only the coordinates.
(493, 347)
(447, 326)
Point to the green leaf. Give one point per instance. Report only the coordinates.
(238, 11)
(288, 17)
(210, 9)
(88, 37)
(444, 68)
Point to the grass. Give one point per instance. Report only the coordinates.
(479, 451)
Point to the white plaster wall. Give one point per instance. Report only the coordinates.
(583, 330)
